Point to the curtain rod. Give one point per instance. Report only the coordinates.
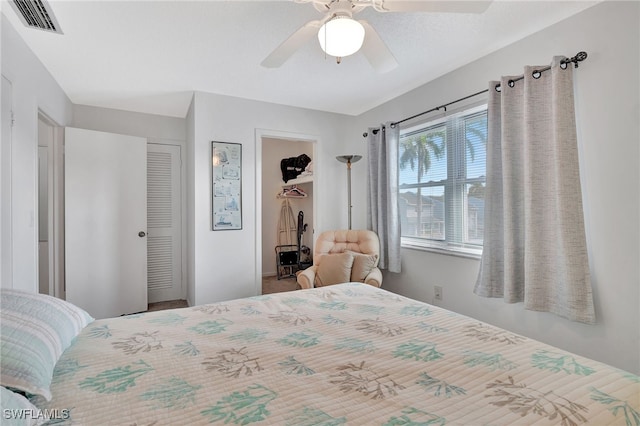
(580, 56)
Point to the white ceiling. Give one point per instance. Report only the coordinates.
(149, 56)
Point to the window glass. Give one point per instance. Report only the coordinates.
(442, 169)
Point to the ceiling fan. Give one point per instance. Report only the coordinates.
(340, 35)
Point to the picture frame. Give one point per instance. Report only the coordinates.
(226, 186)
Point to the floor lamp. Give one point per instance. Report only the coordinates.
(349, 159)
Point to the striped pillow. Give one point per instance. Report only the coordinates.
(35, 330)
(17, 410)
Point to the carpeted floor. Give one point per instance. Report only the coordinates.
(269, 285)
(169, 304)
(273, 285)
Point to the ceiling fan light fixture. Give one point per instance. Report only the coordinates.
(341, 36)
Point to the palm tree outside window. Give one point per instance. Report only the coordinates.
(442, 168)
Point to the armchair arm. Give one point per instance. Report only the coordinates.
(307, 277)
(374, 278)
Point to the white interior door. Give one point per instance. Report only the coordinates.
(106, 222)
(164, 240)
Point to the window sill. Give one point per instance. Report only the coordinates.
(468, 253)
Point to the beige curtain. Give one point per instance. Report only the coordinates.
(382, 193)
(534, 245)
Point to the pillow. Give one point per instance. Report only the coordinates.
(334, 269)
(17, 410)
(362, 266)
(35, 330)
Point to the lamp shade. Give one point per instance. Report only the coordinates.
(341, 36)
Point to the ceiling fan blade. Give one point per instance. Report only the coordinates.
(295, 41)
(472, 6)
(376, 51)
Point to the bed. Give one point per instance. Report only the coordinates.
(345, 354)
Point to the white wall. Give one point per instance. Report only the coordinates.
(225, 262)
(33, 89)
(607, 110)
(129, 123)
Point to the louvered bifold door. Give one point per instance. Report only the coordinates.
(163, 223)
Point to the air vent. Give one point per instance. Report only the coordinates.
(36, 14)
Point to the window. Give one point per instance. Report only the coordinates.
(442, 179)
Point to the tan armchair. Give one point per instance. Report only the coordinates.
(343, 256)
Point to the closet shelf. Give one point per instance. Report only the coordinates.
(299, 180)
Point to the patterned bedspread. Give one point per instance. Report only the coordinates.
(345, 354)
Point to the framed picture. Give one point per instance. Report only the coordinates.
(226, 186)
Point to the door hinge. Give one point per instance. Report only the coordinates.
(13, 118)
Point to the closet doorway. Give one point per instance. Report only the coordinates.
(278, 226)
(50, 208)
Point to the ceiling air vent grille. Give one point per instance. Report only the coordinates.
(36, 14)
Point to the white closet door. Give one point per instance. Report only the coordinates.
(164, 223)
(106, 222)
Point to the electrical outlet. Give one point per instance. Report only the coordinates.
(437, 292)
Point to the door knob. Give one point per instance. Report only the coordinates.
(141, 234)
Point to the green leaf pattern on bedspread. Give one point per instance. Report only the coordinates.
(346, 354)
(334, 306)
(242, 407)
(186, 348)
(117, 379)
(250, 310)
(431, 328)
(419, 351)
(414, 417)
(170, 318)
(293, 366)
(311, 417)
(67, 367)
(250, 335)
(330, 319)
(171, 393)
(416, 311)
(301, 339)
(491, 361)
(547, 360)
(355, 345)
(211, 327)
(101, 332)
(616, 406)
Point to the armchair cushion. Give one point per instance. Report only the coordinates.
(334, 269)
(363, 264)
